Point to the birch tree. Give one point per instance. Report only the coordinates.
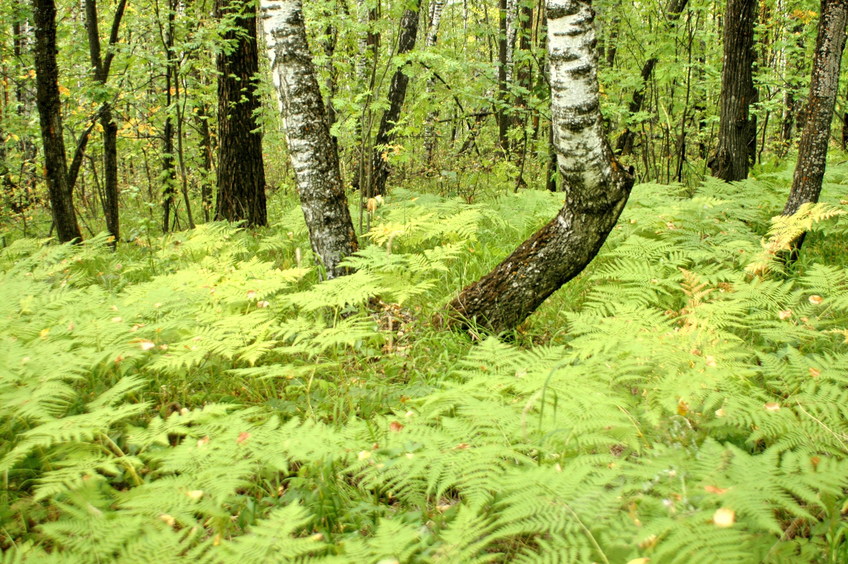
(313, 156)
(596, 187)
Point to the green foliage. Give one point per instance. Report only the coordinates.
(201, 398)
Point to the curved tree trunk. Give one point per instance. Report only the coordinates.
(812, 149)
(397, 95)
(596, 187)
(241, 172)
(315, 162)
(50, 119)
(737, 128)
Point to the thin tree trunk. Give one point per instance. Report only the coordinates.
(624, 143)
(313, 158)
(397, 95)
(21, 33)
(329, 44)
(241, 171)
(501, 103)
(366, 72)
(812, 149)
(523, 73)
(180, 111)
(436, 7)
(169, 177)
(50, 119)
(206, 161)
(790, 101)
(595, 186)
(737, 137)
(101, 66)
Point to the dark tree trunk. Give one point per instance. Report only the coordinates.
(110, 170)
(596, 187)
(790, 101)
(27, 178)
(845, 130)
(737, 129)
(311, 150)
(812, 149)
(329, 44)
(50, 118)
(206, 162)
(101, 66)
(523, 78)
(624, 144)
(241, 171)
(169, 175)
(366, 71)
(397, 95)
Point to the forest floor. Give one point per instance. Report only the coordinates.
(200, 396)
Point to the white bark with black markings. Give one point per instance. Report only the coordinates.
(311, 150)
(596, 187)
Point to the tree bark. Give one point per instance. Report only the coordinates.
(101, 66)
(397, 95)
(315, 163)
(169, 176)
(596, 187)
(737, 129)
(206, 151)
(241, 171)
(812, 149)
(50, 119)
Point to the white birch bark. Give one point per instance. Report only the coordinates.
(596, 187)
(511, 36)
(311, 150)
(435, 18)
(436, 7)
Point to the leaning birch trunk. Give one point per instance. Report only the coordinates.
(596, 187)
(315, 162)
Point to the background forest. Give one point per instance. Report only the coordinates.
(189, 380)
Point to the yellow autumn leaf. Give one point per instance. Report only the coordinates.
(724, 517)
(194, 494)
(167, 519)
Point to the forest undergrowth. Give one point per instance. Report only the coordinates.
(200, 397)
